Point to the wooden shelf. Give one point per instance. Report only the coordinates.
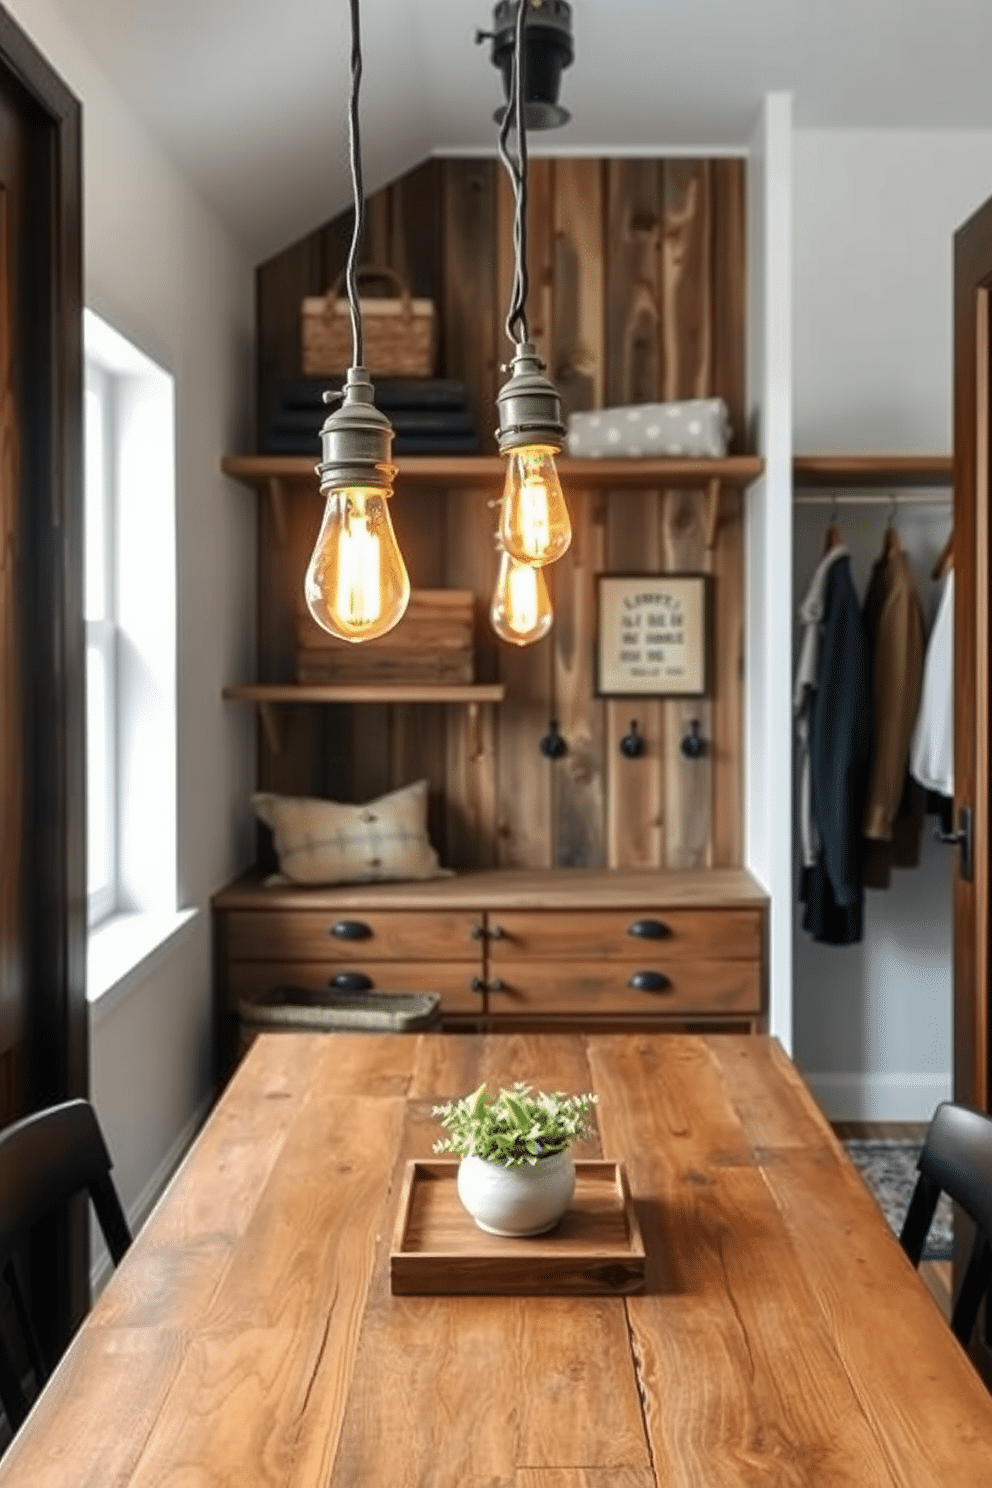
(268, 697)
(365, 692)
(869, 471)
(486, 470)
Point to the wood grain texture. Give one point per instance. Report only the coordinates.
(730, 1291)
(635, 787)
(636, 291)
(783, 1336)
(584, 989)
(511, 888)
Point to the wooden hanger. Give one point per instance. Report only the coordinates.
(834, 537)
(945, 559)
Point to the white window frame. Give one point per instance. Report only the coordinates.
(138, 635)
(103, 898)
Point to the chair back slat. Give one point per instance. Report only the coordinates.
(956, 1160)
(45, 1160)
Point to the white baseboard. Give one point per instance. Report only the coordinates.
(877, 1097)
(139, 1210)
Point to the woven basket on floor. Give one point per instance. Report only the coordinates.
(398, 332)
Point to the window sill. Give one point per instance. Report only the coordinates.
(122, 951)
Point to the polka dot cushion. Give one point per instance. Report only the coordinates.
(644, 431)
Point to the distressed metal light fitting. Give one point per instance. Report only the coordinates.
(549, 51)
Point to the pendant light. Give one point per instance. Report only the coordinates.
(356, 585)
(534, 525)
(521, 610)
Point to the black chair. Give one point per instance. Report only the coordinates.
(45, 1159)
(956, 1160)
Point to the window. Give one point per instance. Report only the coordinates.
(100, 612)
(130, 617)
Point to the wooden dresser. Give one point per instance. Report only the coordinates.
(510, 949)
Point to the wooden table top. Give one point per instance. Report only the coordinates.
(250, 1337)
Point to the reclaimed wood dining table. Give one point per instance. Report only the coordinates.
(250, 1337)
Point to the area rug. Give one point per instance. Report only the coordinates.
(889, 1169)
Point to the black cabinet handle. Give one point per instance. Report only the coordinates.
(351, 981)
(496, 985)
(477, 984)
(497, 932)
(477, 932)
(351, 930)
(649, 930)
(649, 981)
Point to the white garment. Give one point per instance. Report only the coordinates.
(807, 679)
(931, 751)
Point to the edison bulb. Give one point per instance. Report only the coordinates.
(521, 609)
(534, 525)
(356, 585)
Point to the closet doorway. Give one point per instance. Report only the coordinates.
(972, 341)
(972, 412)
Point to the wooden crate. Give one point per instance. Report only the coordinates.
(432, 643)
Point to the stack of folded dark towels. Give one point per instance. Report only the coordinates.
(429, 415)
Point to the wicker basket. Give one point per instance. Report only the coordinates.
(398, 332)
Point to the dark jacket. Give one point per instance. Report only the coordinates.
(840, 751)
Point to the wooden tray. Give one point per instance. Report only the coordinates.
(438, 1248)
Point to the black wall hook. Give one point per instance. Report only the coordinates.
(632, 745)
(553, 745)
(693, 745)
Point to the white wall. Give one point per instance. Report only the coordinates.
(162, 269)
(768, 538)
(874, 217)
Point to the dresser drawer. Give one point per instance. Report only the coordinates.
(635, 935)
(461, 990)
(650, 986)
(375, 935)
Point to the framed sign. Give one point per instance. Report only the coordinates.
(653, 637)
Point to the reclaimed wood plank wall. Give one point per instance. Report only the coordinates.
(637, 288)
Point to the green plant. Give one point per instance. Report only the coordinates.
(519, 1125)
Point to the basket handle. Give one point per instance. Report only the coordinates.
(371, 271)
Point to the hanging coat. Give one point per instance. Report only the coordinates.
(893, 618)
(832, 703)
(931, 757)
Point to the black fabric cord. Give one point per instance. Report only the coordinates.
(358, 189)
(516, 319)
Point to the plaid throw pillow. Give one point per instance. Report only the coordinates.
(327, 842)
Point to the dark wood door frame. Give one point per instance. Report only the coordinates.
(972, 652)
(45, 328)
(972, 288)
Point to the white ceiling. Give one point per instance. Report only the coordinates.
(250, 96)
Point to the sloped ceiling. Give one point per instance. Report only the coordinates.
(250, 96)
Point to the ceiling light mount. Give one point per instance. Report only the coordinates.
(549, 52)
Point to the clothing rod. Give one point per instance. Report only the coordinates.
(865, 498)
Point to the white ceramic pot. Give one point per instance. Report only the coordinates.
(517, 1201)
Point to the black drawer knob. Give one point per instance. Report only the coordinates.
(649, 930)
(351, 981)
(477, 984)
(351, 930)
(649, 981)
